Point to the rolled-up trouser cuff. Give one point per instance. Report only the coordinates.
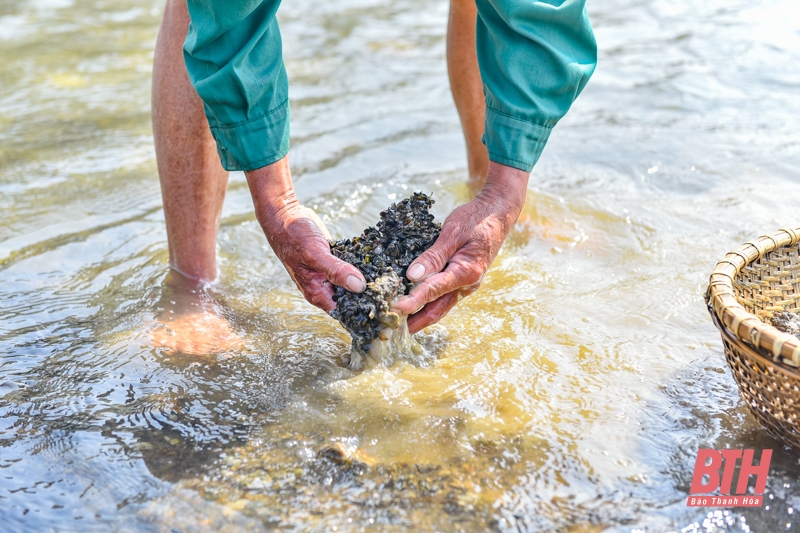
(514, 142)
(255, 143)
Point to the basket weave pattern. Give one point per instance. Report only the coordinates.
(746, 288)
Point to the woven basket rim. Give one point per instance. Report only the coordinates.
(793, 373)
(768, 341)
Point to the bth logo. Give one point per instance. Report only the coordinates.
(708, 465)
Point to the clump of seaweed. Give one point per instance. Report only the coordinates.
(787, 322)
(383, 254)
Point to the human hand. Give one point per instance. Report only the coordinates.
(299, 238)
(471, 238)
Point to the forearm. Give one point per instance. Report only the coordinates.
(506, 187)
(272, 190)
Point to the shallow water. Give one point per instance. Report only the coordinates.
(570, 393)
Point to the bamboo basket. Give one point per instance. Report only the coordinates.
(750, 284)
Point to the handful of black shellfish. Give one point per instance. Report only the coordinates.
(383, 254)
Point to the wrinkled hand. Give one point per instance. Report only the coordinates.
(299, 238)
(300, 241)
(471, 238)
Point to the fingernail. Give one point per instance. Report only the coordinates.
(416, 272)
(354, 284)
(397, 303)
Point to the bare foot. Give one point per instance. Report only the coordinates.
(190, 322)
(196, 334)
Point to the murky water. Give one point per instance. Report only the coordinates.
(570, 393)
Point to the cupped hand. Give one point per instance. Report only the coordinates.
(300, 241)
(299, 238)
(470, 239)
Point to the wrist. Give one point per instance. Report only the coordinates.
(507, 185)
(272, 190)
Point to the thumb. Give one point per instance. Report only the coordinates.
(433, 259)
(340, 273)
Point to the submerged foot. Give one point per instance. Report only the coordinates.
(196, 334)
(190, 322)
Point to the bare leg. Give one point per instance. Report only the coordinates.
(465, 83)
(193, 181)
(193, 185)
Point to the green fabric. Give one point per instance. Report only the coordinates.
(535, 58)
(234, 58)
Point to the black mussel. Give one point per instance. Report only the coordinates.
(382, 253)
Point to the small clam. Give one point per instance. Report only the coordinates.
(391, 320)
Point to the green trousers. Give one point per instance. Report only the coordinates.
(535, 57)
